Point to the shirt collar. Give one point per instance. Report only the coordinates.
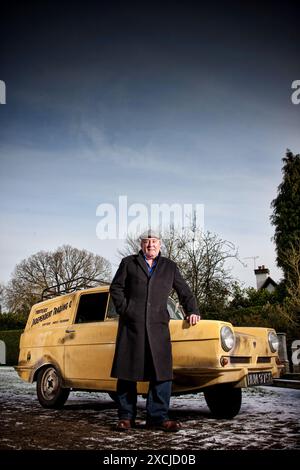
(150, 268)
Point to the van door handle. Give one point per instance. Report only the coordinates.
(70, 331)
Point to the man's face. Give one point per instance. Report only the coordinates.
(150, 247)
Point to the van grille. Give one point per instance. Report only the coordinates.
(263, 360)
(240, 360)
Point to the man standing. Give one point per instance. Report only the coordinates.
(140, 291)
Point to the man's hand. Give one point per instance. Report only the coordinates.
(193, 319)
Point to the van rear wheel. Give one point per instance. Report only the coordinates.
(49, 388)
(223, 400)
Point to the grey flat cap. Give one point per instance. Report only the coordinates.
(149, 234)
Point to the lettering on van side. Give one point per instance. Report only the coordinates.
(41, 318)
(45, 315)
(61, 308)
(41, 310)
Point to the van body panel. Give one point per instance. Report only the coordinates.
(89, 350)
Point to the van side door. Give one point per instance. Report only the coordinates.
(90, 343)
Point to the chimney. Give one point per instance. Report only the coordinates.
(262, 273)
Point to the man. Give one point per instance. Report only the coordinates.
(140, 291)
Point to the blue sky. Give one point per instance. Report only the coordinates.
(164, 104)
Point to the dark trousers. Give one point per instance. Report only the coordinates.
(157, 405)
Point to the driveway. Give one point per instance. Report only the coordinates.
(269, 419)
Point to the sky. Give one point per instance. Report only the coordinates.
(164, 103)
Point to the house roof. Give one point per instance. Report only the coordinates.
(269, 281)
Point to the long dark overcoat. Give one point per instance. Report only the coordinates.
(141, 302)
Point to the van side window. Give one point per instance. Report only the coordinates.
(92, 307)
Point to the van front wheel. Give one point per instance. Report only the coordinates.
(223, 400)
(49, 388)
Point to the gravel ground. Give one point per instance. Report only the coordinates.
(269, 419)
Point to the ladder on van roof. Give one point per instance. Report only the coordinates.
(71, 286)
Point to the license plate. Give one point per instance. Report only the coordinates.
(259, 378)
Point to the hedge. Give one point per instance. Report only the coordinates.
(11, 339)
(12, 321)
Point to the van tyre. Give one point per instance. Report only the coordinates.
(49, 388)
(224, 400)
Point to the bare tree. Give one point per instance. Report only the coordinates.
(2, 290)
(45, 269)
(132, 246)
(202, 259)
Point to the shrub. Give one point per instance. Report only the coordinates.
(12, 321)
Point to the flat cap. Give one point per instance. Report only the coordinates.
(149, 234)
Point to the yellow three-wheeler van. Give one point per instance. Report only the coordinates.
(69, 342)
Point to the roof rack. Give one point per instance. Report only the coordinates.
(71, 286)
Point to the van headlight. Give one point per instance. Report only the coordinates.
(273, 341)
(227, 338)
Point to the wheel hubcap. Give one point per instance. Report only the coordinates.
(50, 384)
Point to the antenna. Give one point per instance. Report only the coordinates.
(254, 260)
